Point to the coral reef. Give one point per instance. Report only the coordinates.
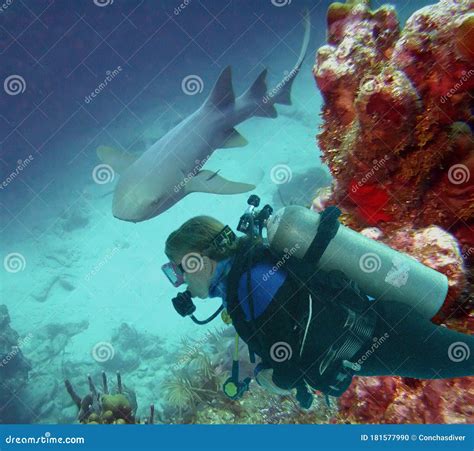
(397, 137)
(194, 391)
(14, 370)
(397, 117)
(405, 400)
(106, 407)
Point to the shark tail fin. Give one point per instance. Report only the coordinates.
(283, 96)
(222, 94)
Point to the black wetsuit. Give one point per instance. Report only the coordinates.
(415, 347)
(401, 341)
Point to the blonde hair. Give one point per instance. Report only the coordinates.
(197, 235)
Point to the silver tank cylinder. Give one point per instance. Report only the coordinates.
(380, 271)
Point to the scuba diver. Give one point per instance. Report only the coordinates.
(312, 326)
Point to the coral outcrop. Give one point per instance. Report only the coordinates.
(14, 370)
(109, 406)
(397, 130)
(397, 137)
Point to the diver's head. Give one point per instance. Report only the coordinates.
(193, 252)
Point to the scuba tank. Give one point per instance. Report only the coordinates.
(380, 271)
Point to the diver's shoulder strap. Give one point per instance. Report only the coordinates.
(327, 229)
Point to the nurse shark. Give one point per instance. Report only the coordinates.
(171, 168)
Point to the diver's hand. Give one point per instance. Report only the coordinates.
(183, 303)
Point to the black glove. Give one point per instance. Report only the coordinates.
(183, 303)
(304, 397)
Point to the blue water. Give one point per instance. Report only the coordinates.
(82, 272)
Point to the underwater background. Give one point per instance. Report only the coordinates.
(81, 291)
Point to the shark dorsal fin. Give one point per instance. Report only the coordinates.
(118, 160)
(222, 94)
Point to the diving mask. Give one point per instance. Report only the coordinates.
(174, 273)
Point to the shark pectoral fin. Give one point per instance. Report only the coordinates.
(234, 139)
(117, 159)
(211, 182)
